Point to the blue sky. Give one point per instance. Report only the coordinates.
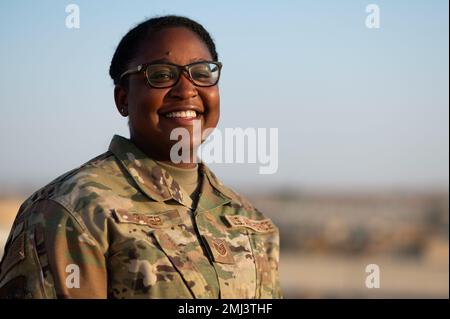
(356, 108)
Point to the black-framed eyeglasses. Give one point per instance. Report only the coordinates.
(164, 75)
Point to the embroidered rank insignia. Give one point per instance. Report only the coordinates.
(220, 250)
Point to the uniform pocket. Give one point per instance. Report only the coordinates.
(156, 250)
(266, 252)
(264, 239)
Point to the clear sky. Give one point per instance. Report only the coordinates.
(355, 107)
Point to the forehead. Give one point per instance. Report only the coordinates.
(176, 44)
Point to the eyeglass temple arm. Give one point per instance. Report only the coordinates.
(137, 70)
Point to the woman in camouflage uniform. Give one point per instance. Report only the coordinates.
(131, 223)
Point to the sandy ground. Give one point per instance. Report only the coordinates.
(309, 276)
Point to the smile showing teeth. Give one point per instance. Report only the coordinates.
(182, 114)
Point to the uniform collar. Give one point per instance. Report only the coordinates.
(158, 184)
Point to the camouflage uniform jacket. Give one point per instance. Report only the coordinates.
(120, 226)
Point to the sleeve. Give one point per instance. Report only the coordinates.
(50, 254)
(273, 254)
(277, 292)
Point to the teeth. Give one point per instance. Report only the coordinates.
(182, 114)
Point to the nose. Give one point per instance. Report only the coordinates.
(184, 89)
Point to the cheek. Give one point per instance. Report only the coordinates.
(211, 100)
(144, 102)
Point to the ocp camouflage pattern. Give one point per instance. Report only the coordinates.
(131, 231)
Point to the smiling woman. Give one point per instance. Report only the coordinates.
(132, 223)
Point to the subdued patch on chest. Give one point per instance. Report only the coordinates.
(220, 250)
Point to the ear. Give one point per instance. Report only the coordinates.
(121, 99)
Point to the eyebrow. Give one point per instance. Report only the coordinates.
(165, 60)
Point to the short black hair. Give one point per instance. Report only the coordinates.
(130, 44)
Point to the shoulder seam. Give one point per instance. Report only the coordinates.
(69, 212)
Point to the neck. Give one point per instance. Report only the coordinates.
(162, 155)
(178, 165)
